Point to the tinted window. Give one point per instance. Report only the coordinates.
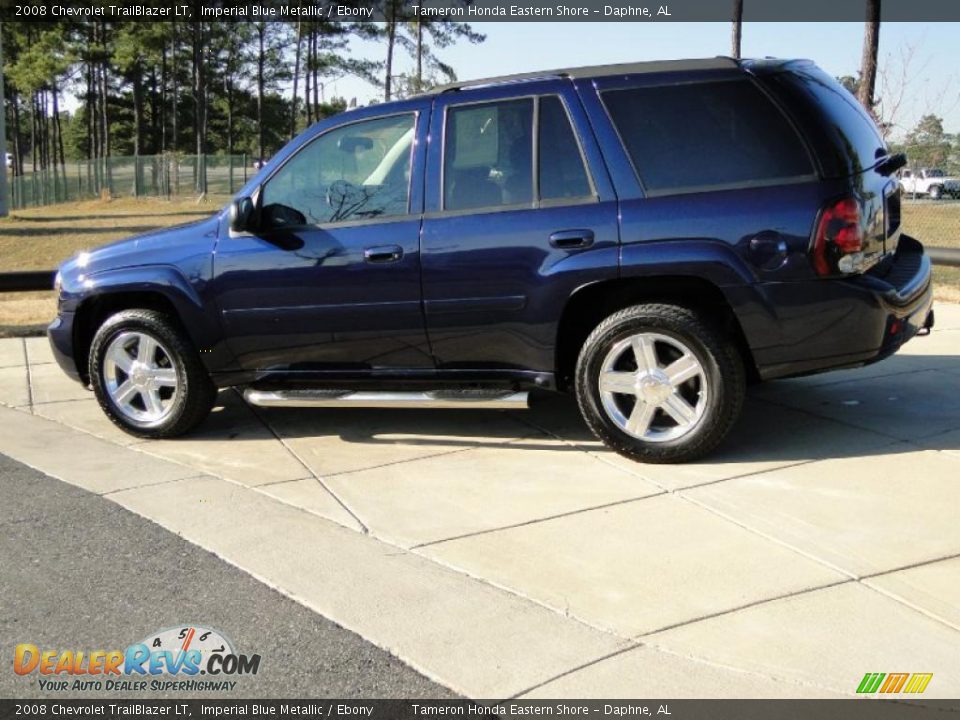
(832, 116)
(705, 134)
(488, 155)
(356, 172)
(562, 174)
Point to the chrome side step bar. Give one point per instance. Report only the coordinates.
(432, 399)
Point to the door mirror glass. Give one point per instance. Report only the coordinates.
(241, 212)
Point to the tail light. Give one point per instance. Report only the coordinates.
(839, 235)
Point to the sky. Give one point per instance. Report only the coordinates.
(933, 72)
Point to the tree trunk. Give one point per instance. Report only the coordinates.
(175, 109)
(228, 92)
(419, 56)
(33, 131)
(17, 151)
(163, 98)
(296, 78)
(307, 74)
(391, 42)
(200, 104)
(871, 47)
(316, 75)
(261, 62)
(58, 128)
(736, 31)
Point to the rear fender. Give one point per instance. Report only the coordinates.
(716, 263)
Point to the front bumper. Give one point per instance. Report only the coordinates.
(60, 334)
(832, 324)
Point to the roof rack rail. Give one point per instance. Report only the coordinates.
(636, 68)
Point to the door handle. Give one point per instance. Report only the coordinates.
(383, 254)
(572, 238)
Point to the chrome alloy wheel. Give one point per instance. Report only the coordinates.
(653, 387)
(140, 377)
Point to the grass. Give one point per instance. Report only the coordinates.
(42, 238)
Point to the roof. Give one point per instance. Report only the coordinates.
(592, 71)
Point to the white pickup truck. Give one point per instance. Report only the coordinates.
(929, 181)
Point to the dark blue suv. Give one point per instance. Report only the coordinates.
(649, 236)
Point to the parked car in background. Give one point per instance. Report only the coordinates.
(650, 237)
(929, 181)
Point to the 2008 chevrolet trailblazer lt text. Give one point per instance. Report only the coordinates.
(649, 236)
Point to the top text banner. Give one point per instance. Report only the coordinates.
(475, 11)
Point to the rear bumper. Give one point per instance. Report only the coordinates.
(859, 320)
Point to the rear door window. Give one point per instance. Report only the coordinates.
(488, 155)
(696, 136)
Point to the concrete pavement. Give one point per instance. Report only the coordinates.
(91, 574)
(510, 554)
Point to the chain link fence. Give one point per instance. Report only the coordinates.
(167, 175)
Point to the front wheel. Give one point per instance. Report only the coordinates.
(936, 192)
(147, 376)
(659, 384)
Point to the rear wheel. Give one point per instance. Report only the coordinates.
(659, 384)
(147, 376)
(936, 192)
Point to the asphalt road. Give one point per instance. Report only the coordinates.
(79, 572)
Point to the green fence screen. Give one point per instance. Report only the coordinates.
(168, 175)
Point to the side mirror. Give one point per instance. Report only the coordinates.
(240, 213)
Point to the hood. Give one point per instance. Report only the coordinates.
(157, 247)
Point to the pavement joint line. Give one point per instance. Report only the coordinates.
(444, 453)
(745, 606)
(364, 527)
(852, 577)
(562, 612)
(907, 604)
(284, 482)
(746, 671)
(150, 485)
(759, 533)
(583, 666)
(26, 362)
(534, 521)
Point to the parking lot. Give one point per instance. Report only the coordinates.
(510, 554)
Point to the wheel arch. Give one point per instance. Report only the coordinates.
(590, 304)
(162, 289)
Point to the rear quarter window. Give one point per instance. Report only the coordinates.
(845, 137)
(696, 136)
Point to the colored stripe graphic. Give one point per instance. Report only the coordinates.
(894, 682)
(918, 683)
(870, 682)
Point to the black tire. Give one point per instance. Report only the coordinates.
(936, 192)
(195, 392)
(721, 365)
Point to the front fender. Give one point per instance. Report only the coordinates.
(197, 317)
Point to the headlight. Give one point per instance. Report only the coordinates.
(57, 282)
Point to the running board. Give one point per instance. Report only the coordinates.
(432, 399)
